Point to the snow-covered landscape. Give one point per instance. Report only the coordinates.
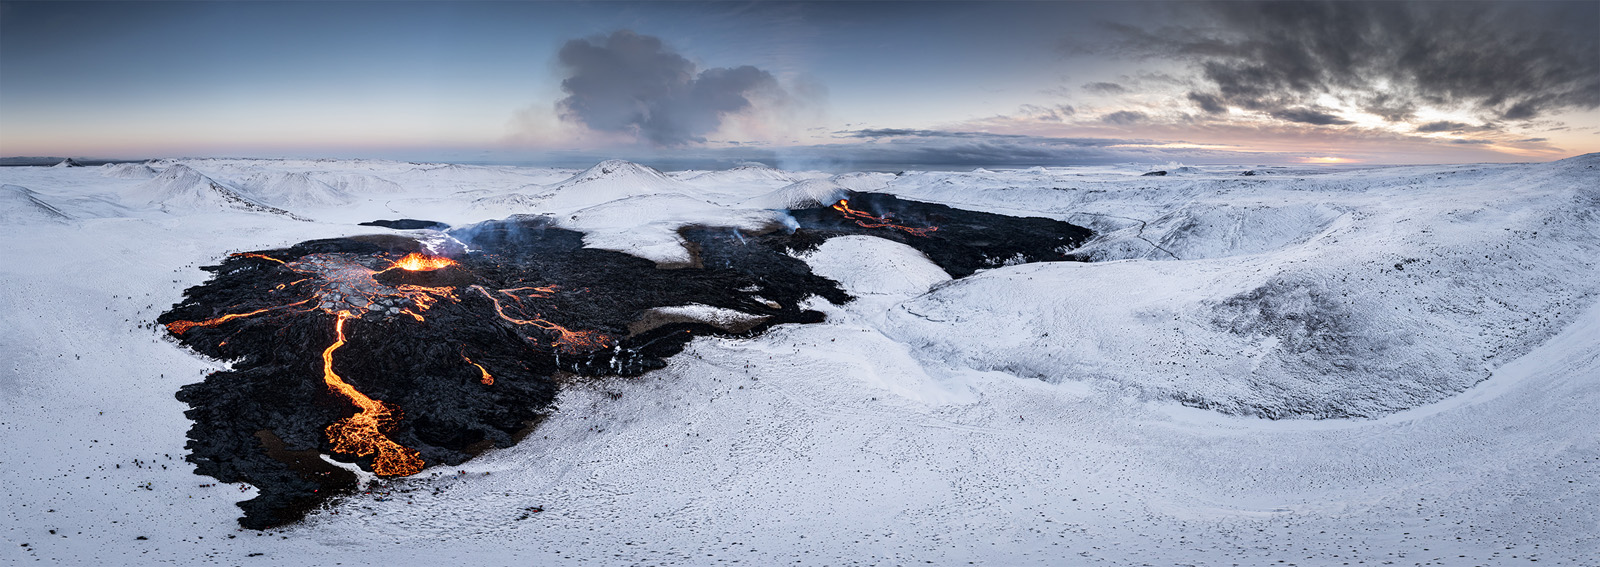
(1294, 365)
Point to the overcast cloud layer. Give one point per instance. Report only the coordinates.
(1501, 61)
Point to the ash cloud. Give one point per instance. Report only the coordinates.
(1504, 61)
(634, 84)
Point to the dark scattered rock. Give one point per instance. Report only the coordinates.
(1157, 173)
(474, 368)
(1248, 172)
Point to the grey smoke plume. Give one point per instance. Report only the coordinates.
(632, 83)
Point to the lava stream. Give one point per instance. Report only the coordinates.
(488, 379)
(361, 434)
(255, 255)
(566, 340)
(181, 327)
(869, 220)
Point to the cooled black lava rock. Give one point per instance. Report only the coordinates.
(408, 224)
(464, 356)
(964, 242)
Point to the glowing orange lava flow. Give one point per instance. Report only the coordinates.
(488, 379)
(361, 434)
(566, 340)
(181, 327)
(869, 220)
(417, 262)
(255, 255)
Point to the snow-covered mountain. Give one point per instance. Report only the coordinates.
(293, 189)
(1427, 339)
(181, 189)
(800, 195)
(128, 170)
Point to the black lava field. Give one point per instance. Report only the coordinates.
(379, 351)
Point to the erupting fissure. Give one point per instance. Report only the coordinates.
(418, 262)
(362, 434)
(869, 220)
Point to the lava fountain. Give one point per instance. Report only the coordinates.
(418, 262)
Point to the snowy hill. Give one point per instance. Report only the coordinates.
(608, 181)
(801, 195)
(20, 205)
(180, 188)
(746, 173)
(127, 171)
(292, 190)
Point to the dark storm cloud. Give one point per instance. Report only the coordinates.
(1511, 61)
(1125, 117)
(1308, 116)
(1441, 126)
(1209, 103)
(632, 83)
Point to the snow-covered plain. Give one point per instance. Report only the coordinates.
(1430, 335)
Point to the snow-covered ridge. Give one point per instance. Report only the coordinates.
(21, 205)
(181, 189)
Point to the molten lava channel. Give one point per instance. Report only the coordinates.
(181, 327)
(869, 220)
(361, 434)
(487, 379)
(566, 340)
